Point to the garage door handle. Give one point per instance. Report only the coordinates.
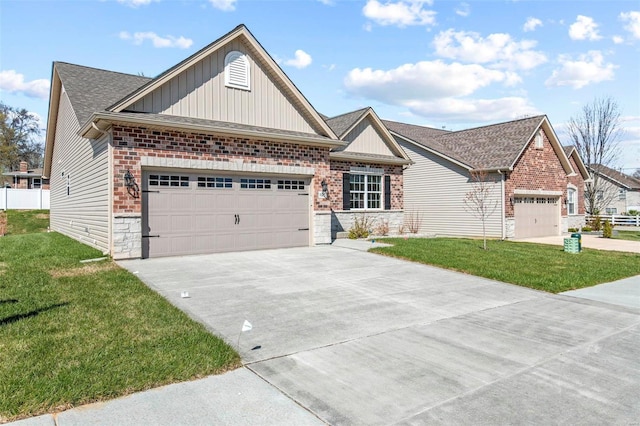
(237, 216)
(303, 229)
(151, 236)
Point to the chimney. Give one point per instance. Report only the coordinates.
(23, 167)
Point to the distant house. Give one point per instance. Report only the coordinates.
(536, 185)
(26, 178)
(221, 152)
(619, 191)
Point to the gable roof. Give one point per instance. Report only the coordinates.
(240, 32)
(621, 179)
(493, 147)
(344, 123)
(572, 152)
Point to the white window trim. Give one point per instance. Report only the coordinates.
(366, 192)
(572, 190)
(233, 57)
(539, 140)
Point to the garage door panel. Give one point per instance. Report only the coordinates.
(536, 216)
(202, 216)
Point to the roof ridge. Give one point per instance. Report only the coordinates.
(499, 124)
(103, 70)
(349, 112)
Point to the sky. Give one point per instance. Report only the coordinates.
(439, 63)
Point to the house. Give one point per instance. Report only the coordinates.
(619, 192)
(220, 152)
(25, 178)
(536, 186)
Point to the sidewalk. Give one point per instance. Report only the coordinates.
(589, 241)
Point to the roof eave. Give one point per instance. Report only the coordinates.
(341, 155)
(433, 151)
(52, 119)
(101, 121)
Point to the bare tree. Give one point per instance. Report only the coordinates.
(478, 201)
(636, 174)
(595, 132)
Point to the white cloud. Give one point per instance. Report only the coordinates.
(473, 110)
(589, 68)
(157, 41)
(531, 24)
(464, 9)
(617, 39)
(226, 5)
(633, 22)
(327, 2)
(584, 28)
(400, 13)
(302, 60)
(13, 82)
(135, 3)
(498, 49)
(424, 80)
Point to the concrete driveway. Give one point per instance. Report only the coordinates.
(357, 338)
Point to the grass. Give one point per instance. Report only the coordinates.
(27, 221)
(628, 235)
(73, 333)
(543, 267)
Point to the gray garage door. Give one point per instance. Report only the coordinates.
(536, 216)
(188, 213)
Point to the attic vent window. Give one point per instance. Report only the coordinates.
(236, 70)
(539, 140)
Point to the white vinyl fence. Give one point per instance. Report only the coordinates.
(24, 199)
(618, 219)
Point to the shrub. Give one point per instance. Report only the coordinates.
(572, 229)
(361, 227)
(382, 228)
(607, 229)
(586, 229)
(596, 223)
(413, 221)
(633, 213)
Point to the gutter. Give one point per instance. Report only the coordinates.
(93, 125)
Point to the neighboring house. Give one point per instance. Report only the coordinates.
(536, 186)
(620, 191)
(221, 152)
(26, 178)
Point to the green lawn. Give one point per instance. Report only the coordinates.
(73, 333)
(538, 266)
(27, 221)
(628, 235)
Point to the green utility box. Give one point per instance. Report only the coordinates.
(572, 245)
(579, 237)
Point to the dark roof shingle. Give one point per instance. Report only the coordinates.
(91, 90)
(341, 123)
(628, 181)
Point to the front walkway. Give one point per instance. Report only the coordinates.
(589, 241)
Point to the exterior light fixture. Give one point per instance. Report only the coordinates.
(131, 185)
(325, 187)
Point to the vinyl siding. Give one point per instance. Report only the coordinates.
(434, 189)
(364, 138)
(84, 214)
(200, 92)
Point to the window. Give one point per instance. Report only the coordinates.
(611, 210)
(37, 183)
(294, 185)
(168, 180)
(365, 191)
(539, 140)
(622, 194)
(214, 182)
(571, 201)
(255, 183)
(236, 70)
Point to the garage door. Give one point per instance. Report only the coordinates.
(187, 213)
(536, 216)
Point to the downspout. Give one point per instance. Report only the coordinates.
(502, 201)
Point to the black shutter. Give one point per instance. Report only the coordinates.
(387, 192)
(346, 192)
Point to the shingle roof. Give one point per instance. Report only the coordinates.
(341, 123)
(628, 181)
(91, 90)
(489, 147)
(568, 149)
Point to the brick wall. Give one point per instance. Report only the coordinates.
(130, 143)
(537, 169)
(340, 167)
(578, 181)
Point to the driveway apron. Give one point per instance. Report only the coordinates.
(358, 338)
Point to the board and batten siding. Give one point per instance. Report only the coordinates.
(434, 189)
(364, 137)
(200, 92)
(84, 213)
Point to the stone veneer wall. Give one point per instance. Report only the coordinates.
(131, 143)
(343, 221)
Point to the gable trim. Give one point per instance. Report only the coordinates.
(347, 156)
(380, 127)
(258, 50)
